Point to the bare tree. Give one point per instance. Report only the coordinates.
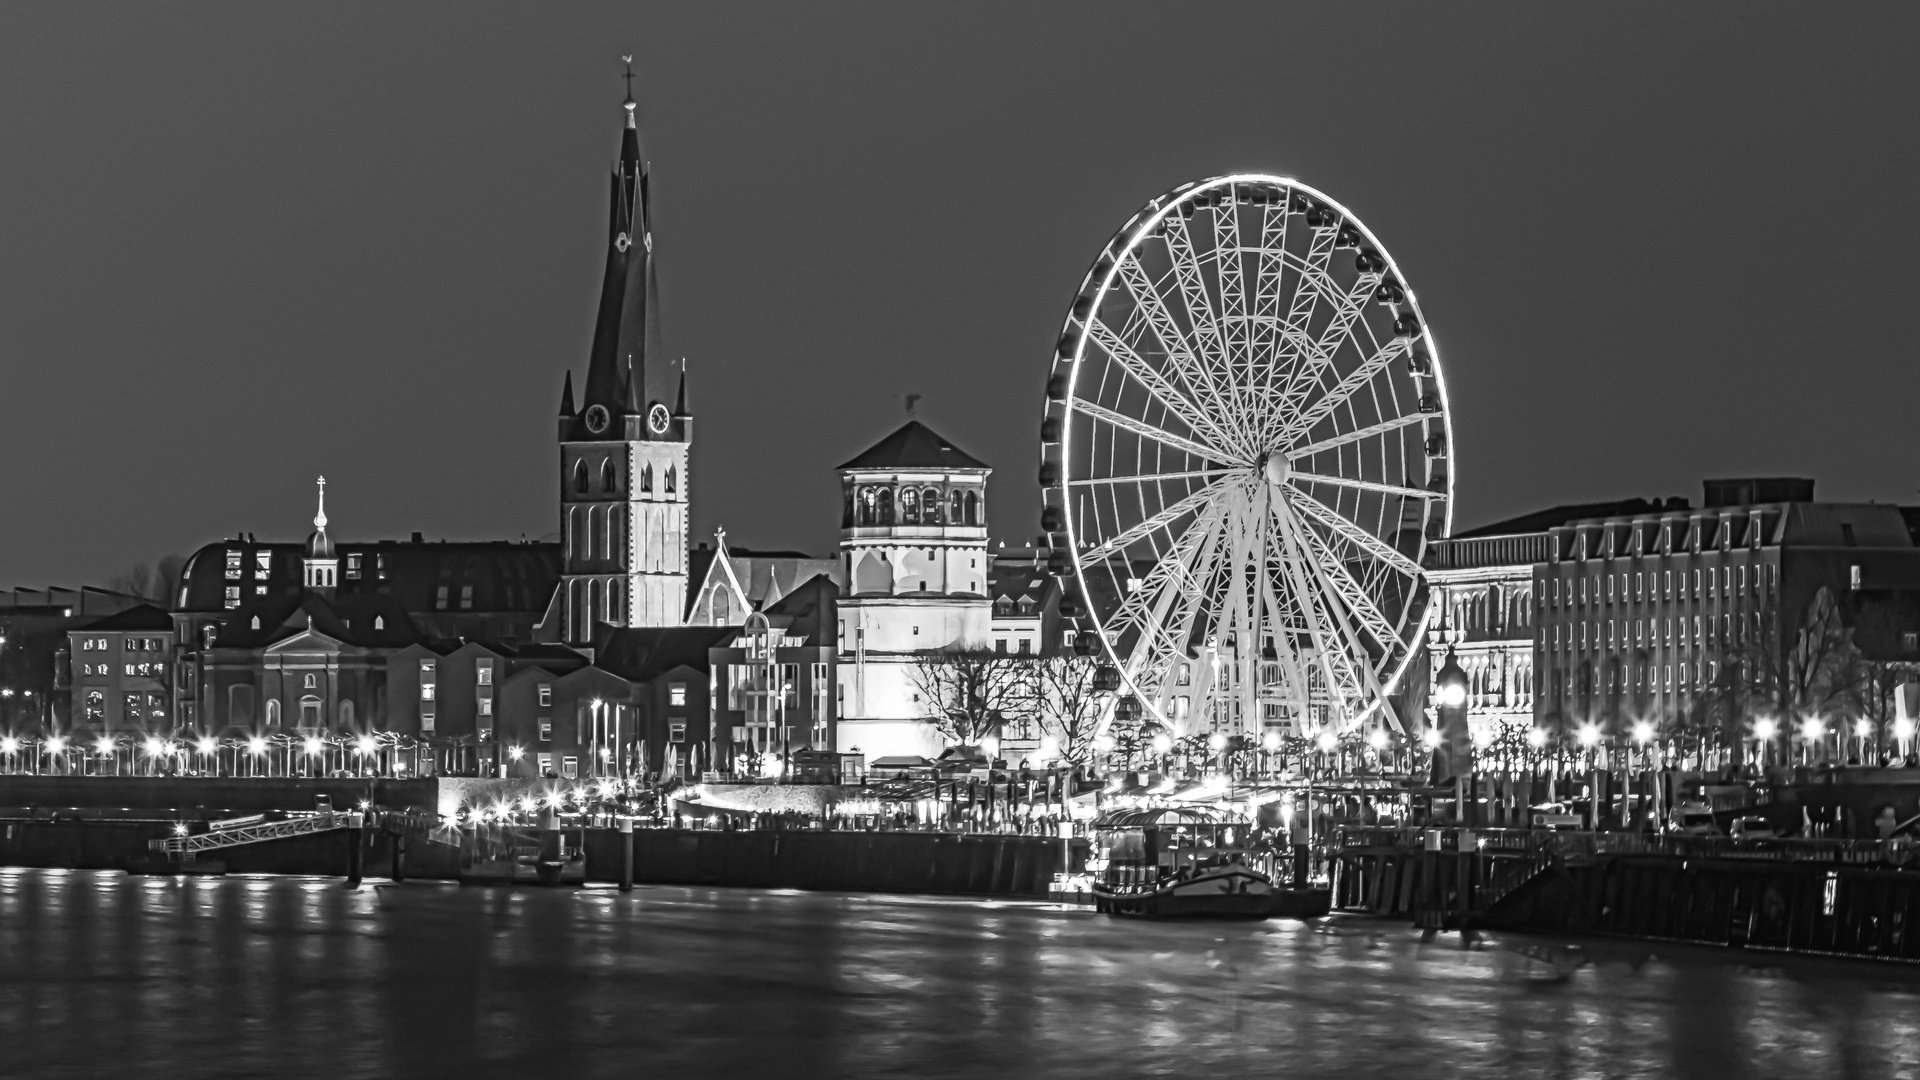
(159, 582)
(1068, 706)
(1812, 670)
(967, 693)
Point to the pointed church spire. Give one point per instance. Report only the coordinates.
(321, 566)
(566, 395)
(626, 335)
(680, 399)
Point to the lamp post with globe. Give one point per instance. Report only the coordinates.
(1452, 760)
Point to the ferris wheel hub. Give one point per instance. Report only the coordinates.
(1277, 469)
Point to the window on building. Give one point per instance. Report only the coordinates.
(380, 566)
(569, 767)
(96, 706)
(236, 568)
(546, 763)
(466, 598)
(677, 731)
(233, 597)
(483, 671)
(308, 682)
(1026, 646)
(677, 695)
(379, 622)
(485, 705)
(580, 477)
(672, 483)
(427, 721)
(353, 567)
(440, 598)
(546, 729)
(262, 562)
(546, 695)
(429, 677)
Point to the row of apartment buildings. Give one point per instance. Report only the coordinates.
(1619, 612)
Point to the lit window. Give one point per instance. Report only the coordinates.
(235, 567)
(484, 672)
(262, 562)
(353, 567)
(677, 695)
(546, 763)
(440, 598)
(466, 598)
(546, 730)
(426, 722)
(677, 731)
(486, 706)
(546, 694)
(569, 766)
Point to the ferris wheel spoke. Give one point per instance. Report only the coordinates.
(1335, 577)
(1327, 651)
(1365, 485)
(1171, 578)
(1157, 385)
(1357, 434)
(1318, 359)
(1148, 431)
(1153, 308)
(1230, 275)
(1141, 530)
(1339, 614)
(1359, 537)
(1193, 293)
(1153, 478)
(1344, 389)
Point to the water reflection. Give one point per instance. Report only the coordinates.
(104, 973)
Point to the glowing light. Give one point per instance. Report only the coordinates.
(366, 744)
(770, 767)
(515, 752)
(1589, 735)
(1327, 740)
(1643, 732)
(56, 745)
(256, 746)
(1453, 695)
(1377, 739)
(606, 753)
(154, 746)
(1903, 728)
(180, 829)
(1864, 729)
(9, 745)
(1430, 738)
(1536, 737)
(1764, 729)
(1216, 742)
(208, 744)
(1161, 743)
(1270, 741)
(105, 746)
(1048, 747)
(313, 746)
(1813, 729)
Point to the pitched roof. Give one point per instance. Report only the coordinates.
(638, 654)
(915, 446)
(350, 619)
(1542, 520)
(138, 617)
(504, 576)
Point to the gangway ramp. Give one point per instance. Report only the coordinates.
(253, 830)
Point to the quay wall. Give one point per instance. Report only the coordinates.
(187, 796)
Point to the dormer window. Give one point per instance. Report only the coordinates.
(256, 622)
(379, 622)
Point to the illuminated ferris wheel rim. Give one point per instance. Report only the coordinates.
(1100, 283)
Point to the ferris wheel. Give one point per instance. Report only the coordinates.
(1245, 455)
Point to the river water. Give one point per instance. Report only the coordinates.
(109, 975)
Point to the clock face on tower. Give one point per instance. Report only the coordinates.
(596, 418)
(658, 420)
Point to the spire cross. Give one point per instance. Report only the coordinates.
(320, 519)
(629, 77)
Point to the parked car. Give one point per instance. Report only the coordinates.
(1753, 828)
(1693, 819)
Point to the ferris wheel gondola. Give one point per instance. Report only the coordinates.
(1246, 450)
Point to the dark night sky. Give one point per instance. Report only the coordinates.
(241, 245)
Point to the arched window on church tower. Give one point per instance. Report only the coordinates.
(883, 512)
(646, 479)
(909, 506)
(580, 477)
(868, 508)
(930, 507)
(671, 478)
(609, 477)
(973, 508)
(956, 507)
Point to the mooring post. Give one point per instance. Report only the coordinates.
(355, 855)
(626, 853)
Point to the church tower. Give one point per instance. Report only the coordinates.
(320, 570)
(623, 450)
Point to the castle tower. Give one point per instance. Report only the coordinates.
(913, 534)
(321, 567)
(623, 451)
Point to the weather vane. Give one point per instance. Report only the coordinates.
(629, 62)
